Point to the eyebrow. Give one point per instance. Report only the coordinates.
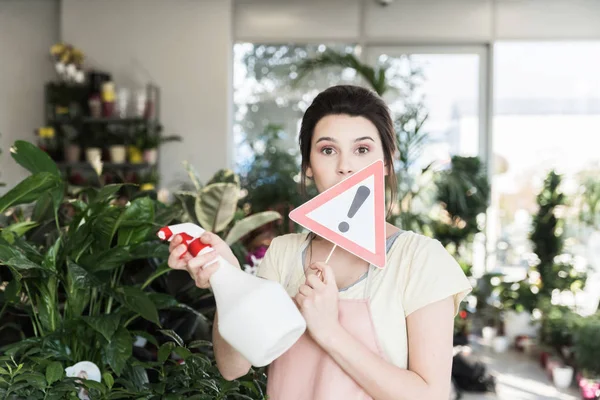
(356, 140)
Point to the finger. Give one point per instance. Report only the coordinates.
(315, 282)
(209, 238)
(175, 260)
(305, 290)
(327, 275)
(201, 275)
(202, 259)
(300, 299)
(175, 242)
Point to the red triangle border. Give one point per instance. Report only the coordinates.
(299, 214)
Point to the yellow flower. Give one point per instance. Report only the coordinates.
(46, 132)
(147, 186)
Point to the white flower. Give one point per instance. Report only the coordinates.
(60, 68)
(84, 370)
(97, 164)
(71, 71)
(79, 77)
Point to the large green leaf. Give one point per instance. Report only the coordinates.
(51, 256)
(216, 205)
(14, 258)
(137, 301)
(193, 175)
(136, 221)
(106, 260)
(80, 278)
(106, 324)
(250, 223)
(46, 302)
(43, 208)
(188, 204)
(29, 189)
(118, 350)
(32, 158)
(18, 229)
(54, 372)
(108, 191)
(151, 249)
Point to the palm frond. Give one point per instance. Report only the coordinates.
(375, 77)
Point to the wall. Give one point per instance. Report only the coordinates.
(27, 30)
(185, 47)
(416, 21)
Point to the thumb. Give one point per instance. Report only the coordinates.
(324, 272)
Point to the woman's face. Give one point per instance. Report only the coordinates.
(342, 145)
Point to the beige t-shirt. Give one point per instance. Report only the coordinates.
(418, 272)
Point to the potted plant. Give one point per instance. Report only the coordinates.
(152, 141)
(93, 144)
(87, 292)
(587, 357)
(72, 147)
(116, 148)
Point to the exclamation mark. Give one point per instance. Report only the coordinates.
(361, 195)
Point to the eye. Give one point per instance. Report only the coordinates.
(327, 151)
(362, 150)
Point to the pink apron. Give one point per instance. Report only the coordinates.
(307, 372)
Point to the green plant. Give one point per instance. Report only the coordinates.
(271, 178)
(374, 76)
(148, 137)
(556, 271)
(587, 347)
(215, 207)
(558, 327)
(81, 275)
(463, 192)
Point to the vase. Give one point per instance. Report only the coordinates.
(93, 153)
(72, 153)
(150, 156)
(118, 154)
(562, 376)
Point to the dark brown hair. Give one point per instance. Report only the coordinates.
(354, 101)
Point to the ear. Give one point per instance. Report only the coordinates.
(386, 169)
(309, 172)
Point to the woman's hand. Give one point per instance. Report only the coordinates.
(179, 258)
(318, 302)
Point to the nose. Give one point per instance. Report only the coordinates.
(344, 168)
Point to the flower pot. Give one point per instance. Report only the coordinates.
(118, 154)
(93, 153)
(72, 153)
(135, 155)
(500, 344)
(489, 333)
(562, 376)
(150, 156)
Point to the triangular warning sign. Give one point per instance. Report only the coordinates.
(351, 214)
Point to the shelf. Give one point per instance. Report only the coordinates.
(114, 120)
(105, 165)
(103, 121)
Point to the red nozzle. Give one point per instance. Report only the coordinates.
(186, 238)
(164, 233)
(196, 246)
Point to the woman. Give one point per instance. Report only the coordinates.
(371, 333)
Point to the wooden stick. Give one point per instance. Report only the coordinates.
(330, 253)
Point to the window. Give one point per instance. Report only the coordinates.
(546, 116)
(264, 93)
